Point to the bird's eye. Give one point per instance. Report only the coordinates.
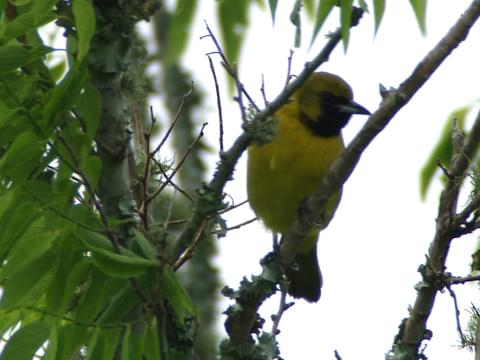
(327, 98)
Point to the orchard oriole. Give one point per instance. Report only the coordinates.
(285, 171)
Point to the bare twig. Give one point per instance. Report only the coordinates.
(239, 100)
(337, 355)
(188, 253)
(179, 165)
(143, 210)
(282, 307)
(236, 227)
(174, 122)
(172, 183)
(229, 68)
(289, 68)
(457, 315)
(233, 207)
(462, 280)
(262, 91)
(219, 104)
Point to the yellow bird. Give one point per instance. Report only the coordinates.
(284, 172)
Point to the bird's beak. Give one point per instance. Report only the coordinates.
(352, 107)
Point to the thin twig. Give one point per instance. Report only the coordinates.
(262, 91)
(177, 221)
(236, 227)
(462, 280)
(229, 68)
(289, 68)
(239, 100)
(188, 253)
(282, 307)
(172, 183)
(233, 206)
(180, 163)
(219, 104)
(457, 315)
(143, 210)
(175, 120)
(169, 213)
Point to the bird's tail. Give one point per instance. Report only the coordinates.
(305, 278)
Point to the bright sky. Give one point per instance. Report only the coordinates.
(370, 253)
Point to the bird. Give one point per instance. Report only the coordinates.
(282, 173)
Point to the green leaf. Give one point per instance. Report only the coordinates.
(24, 23)
(295, 19)
(176, 294)
(22, 156)
(57, 70)
(125, 351)
(10, 320)
(233, 20)
(272, 4)
(179, 29)
(124, 265)
(324, 9)
(34, 241)
(54, 343)
(442, 151)
(346, 20)
(104, 343)
(100, 290)
(89, 106)
(309, 6)
(43, 9)
(121, 303)
(20, 2)
(12, 56)
(133, 343)
(15, 219)
(378, 11)
(420, 10)
(25, 342)
(69, 339)
(70, 272)
(147, 249)
(85, 24)
(21, 282)
(91, 167)
(64, 95)
(7, 113)
(152, 343)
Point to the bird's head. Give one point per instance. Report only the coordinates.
(325, 103)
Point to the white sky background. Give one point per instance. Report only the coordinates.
(370, 253)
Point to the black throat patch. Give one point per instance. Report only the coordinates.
(329, 124)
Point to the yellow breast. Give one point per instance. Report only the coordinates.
(284, 172)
